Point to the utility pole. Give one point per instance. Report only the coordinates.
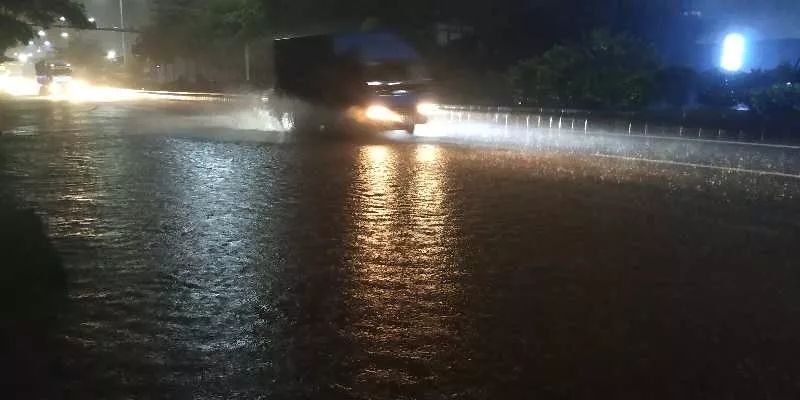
(122, 27)
(247, 62)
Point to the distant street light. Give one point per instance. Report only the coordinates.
(41, 33)
(65, 35)
(734, 49)
(30, 42)
(47, 43)
(62, 19)
(111, 55)
(91, 19)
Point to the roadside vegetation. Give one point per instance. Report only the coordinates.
(19, 18)
(32, 295)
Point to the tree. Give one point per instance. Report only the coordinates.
(603, 70)
(18, 18)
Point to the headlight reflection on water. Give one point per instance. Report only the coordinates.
(80, 91)
(76, 91)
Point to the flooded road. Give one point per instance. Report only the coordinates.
(211, 258)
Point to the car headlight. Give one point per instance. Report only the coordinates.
(427, 109)
(382, 114)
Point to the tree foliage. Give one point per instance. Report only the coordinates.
(18, 18)
(603, 70)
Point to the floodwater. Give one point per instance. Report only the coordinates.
(209, 258)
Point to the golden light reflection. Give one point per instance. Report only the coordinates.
(377, 155)
(376, 172)
(427, 153)
(428, 198)
(405, 287)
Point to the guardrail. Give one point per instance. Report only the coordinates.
(198, 96)
(570, 120)
(592, 122)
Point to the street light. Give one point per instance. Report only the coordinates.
(734, 49)
(41, 33)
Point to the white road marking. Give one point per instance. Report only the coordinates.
(705, 166)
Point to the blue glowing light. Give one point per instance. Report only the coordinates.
(734, 48)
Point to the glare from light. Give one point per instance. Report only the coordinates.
(111, 55)
(733, 52)
(64, 35)
(41, 33)
(382, 114)
(18, 86)
(77, 91)
(427, 109)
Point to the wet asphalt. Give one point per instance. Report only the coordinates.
(208, 257)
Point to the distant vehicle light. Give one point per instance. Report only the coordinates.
(41, 33)
(47, 43)
(427, 109)
(64, 35)
(111, 55)
(374, 83)
(382, 114)
(734, 49)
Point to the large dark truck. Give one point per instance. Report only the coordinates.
(355, 80)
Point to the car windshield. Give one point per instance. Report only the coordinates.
(416, 199)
